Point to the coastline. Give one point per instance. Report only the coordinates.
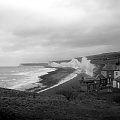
(51, 79)
(32, 80)
(62, 81)
(69, 83)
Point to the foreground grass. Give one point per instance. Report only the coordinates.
(85, 106)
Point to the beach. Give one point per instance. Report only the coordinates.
(53, 78)
(69, 83)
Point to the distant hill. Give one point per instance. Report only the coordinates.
(104, 58)
(111, 58)
(34, 64)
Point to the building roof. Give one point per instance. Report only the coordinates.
(111, 67)
(100, 76)
(86, 77)
(117, 79)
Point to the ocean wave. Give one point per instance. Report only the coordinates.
(30, 79)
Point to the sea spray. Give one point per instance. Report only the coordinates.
(83, 66)
(87, 66)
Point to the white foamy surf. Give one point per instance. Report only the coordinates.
(22, 78)
(32, 80)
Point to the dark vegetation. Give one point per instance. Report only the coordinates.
(106, 103)
(65, 105)
(78, 94)
(69, 94)
(111, 58)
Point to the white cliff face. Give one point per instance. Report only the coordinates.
(84, 65)
(74, 63)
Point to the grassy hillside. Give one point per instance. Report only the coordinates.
(103, 58)
(111, 58)
(16, 105)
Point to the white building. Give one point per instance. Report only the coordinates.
(117, 83)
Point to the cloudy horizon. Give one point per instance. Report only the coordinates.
(45, 30)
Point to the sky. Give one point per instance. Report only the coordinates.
(45, 30)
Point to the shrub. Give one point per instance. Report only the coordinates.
(116, 99)
(69, 94)
(6, 114)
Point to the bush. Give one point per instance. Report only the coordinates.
(69, 94)
(116, 99)
(6, 114)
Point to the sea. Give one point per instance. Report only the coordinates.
(22, 77)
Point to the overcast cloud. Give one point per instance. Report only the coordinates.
(43, 30)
